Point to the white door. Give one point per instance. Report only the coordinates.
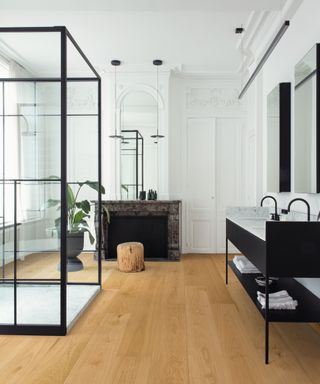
(200, 231)
(229, 186)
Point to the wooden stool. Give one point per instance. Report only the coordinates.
(130, 257)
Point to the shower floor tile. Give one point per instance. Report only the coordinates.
(40, 304)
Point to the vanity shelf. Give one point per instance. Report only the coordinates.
(308, 309)
(287, 250)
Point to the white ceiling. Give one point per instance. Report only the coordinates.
(197, 35)
(144, 5)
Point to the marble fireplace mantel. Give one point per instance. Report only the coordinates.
(168, 208)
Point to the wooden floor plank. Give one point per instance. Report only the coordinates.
(174, 323)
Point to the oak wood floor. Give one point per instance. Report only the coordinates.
(173, 323)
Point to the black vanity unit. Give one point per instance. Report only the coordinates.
(156, 224)
(290, 249)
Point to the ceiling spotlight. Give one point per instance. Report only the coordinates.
(239, 30)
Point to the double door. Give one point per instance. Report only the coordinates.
(213, 167)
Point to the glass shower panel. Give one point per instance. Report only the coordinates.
(6, 303)
(82, 171)
(77, 66)
(38, 254)
(34, 296)
(32, 54)
(6, 262)
(7, 235)
(38, 239)
(32, 129)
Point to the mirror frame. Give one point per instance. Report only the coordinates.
(135, 135)
(285, 137)
(284, 90)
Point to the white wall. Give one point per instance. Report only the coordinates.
(183, 97)
(216, 98)
(128, 82)
(303, 33)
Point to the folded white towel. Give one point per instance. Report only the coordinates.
(287, 306)
(242, 260)
(279, 294)
(290, 305)
(281, 300)
(244, 265)
(247, 269)
(278, 300)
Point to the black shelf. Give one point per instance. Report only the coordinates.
(308, 309)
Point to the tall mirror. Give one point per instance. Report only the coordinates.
(306, 131)
(278, 138)
(138, 155)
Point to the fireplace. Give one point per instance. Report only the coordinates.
(156, 224)
(151, 231)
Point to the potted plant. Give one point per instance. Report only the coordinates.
(78, 216)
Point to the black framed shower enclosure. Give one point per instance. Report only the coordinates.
(132, 159)
(50, 123)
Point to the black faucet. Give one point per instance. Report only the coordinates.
(303, 200)
(274, 216)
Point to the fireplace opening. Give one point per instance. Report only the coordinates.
(151, 231)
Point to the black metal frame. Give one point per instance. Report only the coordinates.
(315, 72)
(137, 137)
(265, 57)
(284, 94)
(291, 249)
(47, 329)
(285, 137)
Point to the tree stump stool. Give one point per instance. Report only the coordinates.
(130, 257)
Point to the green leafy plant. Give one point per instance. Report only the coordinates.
(78, 211)
(126, 189)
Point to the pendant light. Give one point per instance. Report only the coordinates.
(157, 136)
(115, 63)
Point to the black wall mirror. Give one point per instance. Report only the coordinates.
(307, 125)
(279, 139)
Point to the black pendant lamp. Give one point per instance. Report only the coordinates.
(157, 136)
(116, 64)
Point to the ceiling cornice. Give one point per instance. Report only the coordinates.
(232, 76)
(260, 30)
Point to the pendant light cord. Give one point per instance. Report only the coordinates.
(115, 100)
(157, 100)
(157, 135)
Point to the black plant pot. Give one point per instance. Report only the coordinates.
(74, 248)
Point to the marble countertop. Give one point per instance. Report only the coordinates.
(255, 226)
(252, 219)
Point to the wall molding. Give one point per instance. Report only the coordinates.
(212, 97)
(140, 87)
